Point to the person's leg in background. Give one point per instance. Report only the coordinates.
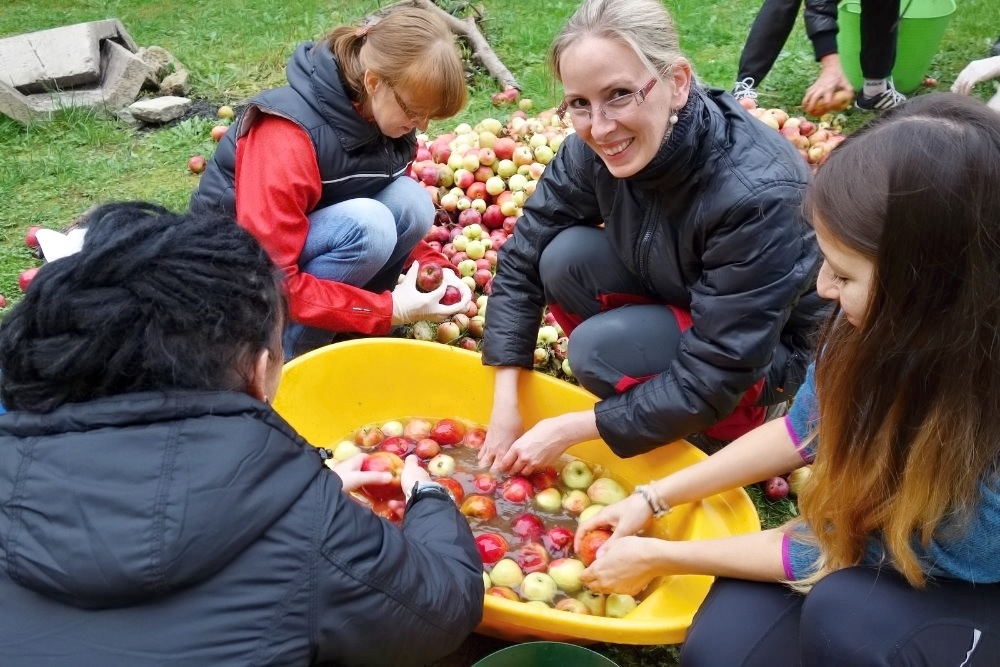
(744, 623)
(863, 615)
(879, 31)
(766, 38)
(348, 242)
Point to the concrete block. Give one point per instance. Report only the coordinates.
(59, 58)
(159, 109)
(15, 105)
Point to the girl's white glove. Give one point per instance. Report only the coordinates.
(410, 304)
(974, 72)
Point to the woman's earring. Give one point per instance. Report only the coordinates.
(673, 118)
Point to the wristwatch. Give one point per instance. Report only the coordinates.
(428, 489)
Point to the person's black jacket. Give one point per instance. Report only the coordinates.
(713, 225)
(198, 528)
(355, 159)
(821, 26)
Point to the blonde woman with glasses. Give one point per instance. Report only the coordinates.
(667, 238)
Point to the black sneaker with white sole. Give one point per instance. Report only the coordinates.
(881, 102)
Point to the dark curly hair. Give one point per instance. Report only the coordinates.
(154, 301)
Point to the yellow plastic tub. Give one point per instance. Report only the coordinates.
(333, 390)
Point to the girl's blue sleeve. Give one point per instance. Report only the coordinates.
(803, 417)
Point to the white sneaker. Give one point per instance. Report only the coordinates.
(744, 90)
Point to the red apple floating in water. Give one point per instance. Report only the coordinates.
(427, 448)
(492, 547)
(369, 436)
(528, 527)
(479, 507)
(503, 592)
(558, 539)
(484, 482)
(448, 432)
(590, 543)
(398, 445)
(476, 436)
(531, 557)
(383, 462)
(454, 486)
(517, 489)
(417, 428)
(544, 478)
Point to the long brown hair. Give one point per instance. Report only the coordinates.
(411, 49)
(909, 401)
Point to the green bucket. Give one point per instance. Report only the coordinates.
(545, 654)
(921, 28)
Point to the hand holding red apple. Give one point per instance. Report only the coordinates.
(623, 518)
(353, 477)
(627, 565)
(409, 304)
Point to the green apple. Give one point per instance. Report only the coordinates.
(593, 601)
(344, 450)
(549, 500)
(606, 491)
(566, 573)
(618, 605)
(590, 511)
(506, 572)
(577, 474)
(539, 586)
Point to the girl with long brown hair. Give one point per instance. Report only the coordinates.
(896, 556)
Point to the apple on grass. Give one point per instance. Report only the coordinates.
(539, 586)
(31, 237)
(577, 474)
(566, 573)
(506, 572)
(196, 164)
(776, 488)
(25, 278)
(383, 462)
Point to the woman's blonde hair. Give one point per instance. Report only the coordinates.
(412, 50)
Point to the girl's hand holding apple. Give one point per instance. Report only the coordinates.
(353, 477)
(626, 565)
(625, 517)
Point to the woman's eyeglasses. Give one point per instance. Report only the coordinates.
(413, 116)
(616, 107)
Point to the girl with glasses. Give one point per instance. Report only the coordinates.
(316, 171)
(667, 239)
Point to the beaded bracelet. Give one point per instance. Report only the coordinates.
(653, 502)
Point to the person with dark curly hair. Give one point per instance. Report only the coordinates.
(155, 510)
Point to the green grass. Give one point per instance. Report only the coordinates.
(52, 171)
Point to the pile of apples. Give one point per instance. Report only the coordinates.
(523, 525)
(813, 139)
(479, 177)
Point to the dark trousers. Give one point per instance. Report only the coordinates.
(620, 334)
(767, 36)
(854, 617)
(776, 18)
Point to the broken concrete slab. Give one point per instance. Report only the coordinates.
(59, 58)
(159, 109)
(122, 77)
